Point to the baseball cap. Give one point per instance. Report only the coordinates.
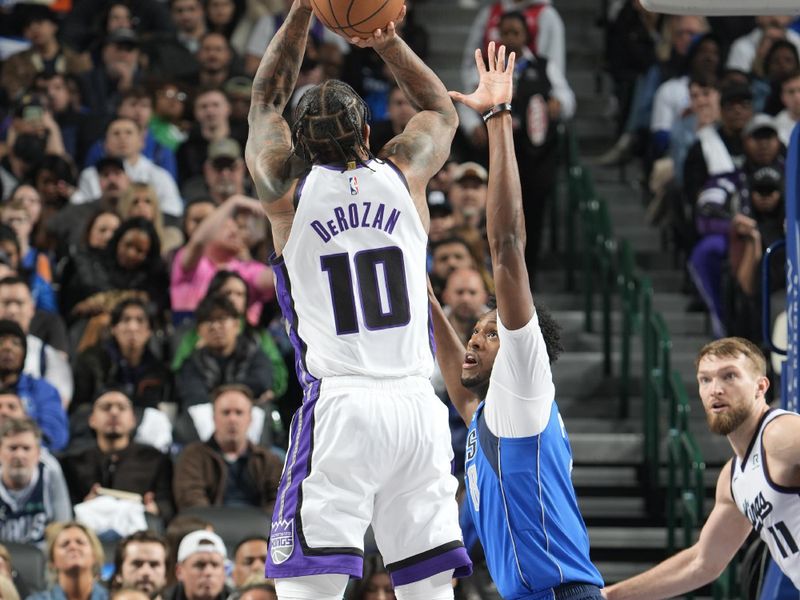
(123, 36)
(735, 92)
(226, 148)
(760, 122)
(469, 170)
(438, 204)
(201, 541)
(238, 85)
(767, 180)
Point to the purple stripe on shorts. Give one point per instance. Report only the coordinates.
(286, 557)
(457, 559)
(431, 338)
(283, 290)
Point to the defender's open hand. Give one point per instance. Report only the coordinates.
(496, 85)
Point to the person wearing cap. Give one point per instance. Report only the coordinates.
(33, 492)
(218, 243)
(762, 146)
(69, 225)
(200, 568)
(42, 401)
(124, 140)
(468, 194)
(719, 149)
(238, 90)
(751, 235)
(46, 54)
(137, 104)
(212, 113)
(442, 220)
(119, 70)
(790, 115)
(224, 174)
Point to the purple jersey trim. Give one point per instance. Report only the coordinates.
(400, 174)
(283, 288)
(455, 558)
(340, 564)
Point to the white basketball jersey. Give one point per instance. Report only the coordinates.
(352, 281)
(773, 510)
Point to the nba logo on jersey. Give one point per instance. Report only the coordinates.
(281, 541)
(353, 186)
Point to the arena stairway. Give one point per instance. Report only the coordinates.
(626, 538)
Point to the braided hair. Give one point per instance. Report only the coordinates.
(329, 125)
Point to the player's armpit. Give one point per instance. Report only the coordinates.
(423, 147)
(269, 156)
(781, 442)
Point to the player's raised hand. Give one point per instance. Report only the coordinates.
(496, 85)
(380, 37)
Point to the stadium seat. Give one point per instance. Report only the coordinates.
(29, 562)
(233, 524)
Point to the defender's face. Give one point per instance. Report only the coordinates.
(730, 390)
(481, 352)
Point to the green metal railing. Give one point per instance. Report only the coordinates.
(685, 470)
(608, 267)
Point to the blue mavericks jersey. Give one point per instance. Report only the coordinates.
(521, 498)
(24, 522)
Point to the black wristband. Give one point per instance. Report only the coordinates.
(496, 110)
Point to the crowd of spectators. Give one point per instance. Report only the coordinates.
(144, 366)
(709, 105)
(145, 369)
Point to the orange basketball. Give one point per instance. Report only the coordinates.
(356, 18)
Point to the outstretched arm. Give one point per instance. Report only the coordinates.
(269, 143)
(423, 147)
(450, 357)
(505, 221)
(723, 534)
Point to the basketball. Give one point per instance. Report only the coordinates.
(356, 18)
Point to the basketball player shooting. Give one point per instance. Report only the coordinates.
(371, 441)
(518, 459)
(758, 489)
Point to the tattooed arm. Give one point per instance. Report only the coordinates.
(269, 143)
(423, 147)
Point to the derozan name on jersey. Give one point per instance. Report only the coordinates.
(355, 216)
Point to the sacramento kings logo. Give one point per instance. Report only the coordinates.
(281, 541)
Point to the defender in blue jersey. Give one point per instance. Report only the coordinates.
(518, 461)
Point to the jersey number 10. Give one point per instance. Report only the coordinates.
(382, 288)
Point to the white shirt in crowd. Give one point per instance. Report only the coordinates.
(743, 50)
(785, 124)
(144, 171)
(670, 103)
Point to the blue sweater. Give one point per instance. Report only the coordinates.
(43, 405)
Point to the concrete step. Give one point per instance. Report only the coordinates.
(652, 538)
(615, 571)
(632, 509)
